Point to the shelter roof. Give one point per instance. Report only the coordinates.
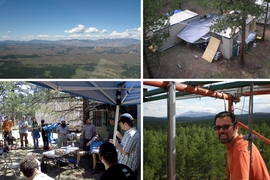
(110, 92)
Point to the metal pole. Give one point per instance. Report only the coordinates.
(116, 123)
(250, 123)
(171, 168)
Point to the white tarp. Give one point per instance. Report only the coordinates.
(181, 16)
(197, 30)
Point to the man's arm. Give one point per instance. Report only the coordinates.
(120, 148)
(119, 135)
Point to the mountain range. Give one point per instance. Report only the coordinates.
(191, 116)
(195, 114)
(80, 43)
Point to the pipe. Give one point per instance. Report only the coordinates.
(230, 106)
(193, 90)
(255, 133)
(263, 92)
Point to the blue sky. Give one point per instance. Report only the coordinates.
(206, 104)
(69, 19)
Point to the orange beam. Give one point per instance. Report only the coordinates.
(193, 90)
(255, 133)
(257, 93)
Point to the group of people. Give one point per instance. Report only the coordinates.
(120, 160)
(128, 146)
(9, 142)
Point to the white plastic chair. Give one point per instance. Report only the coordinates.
(12, 166)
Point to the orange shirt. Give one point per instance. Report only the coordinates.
(7, 125)
(238, 158)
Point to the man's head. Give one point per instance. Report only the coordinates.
(226, 127)
(10, 134)
(87, 121)
(112, 121)
(23, 118)
(29, 165)
(42, 121)
(63, 122)
(1, 143)
(125, 121)
(97, 137)
(108, 153)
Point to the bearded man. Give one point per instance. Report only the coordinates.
(62, 130)
(238, 154)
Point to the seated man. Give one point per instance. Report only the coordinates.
(94, 145)
(2, 148)
(30, 167)
(10, 142)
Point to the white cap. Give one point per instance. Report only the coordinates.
(63, 119)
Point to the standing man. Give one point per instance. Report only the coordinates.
(238, 155)
(114, 170)
(129, 148)
(62, 130)
(110, 128)
(44, 134)
(7, 126)
(89, 131)
(23, 130)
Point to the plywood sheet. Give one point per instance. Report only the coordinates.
(211, 49)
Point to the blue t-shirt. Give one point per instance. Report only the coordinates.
(95, 144)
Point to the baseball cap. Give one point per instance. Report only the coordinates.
(126, 117)
(63, 119)
(111, 118)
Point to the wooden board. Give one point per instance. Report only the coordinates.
(211, 49)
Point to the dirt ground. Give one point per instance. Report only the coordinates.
(67, 172)
(180, 61)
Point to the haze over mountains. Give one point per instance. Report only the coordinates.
(191, 116)
(80, 42)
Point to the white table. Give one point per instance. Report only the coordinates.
(51, 154)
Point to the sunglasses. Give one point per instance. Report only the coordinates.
(224, 127)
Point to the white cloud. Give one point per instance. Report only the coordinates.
(129, 33)
(43, 36)
(9, 32)
(91, 30)
(4, 37)
(206, 104)
(75, 35)
(79, 29)
(104, 31)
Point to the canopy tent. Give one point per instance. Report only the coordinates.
(116, 93)
(129, 93)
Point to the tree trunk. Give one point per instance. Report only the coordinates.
(243, 43)
(265, 21)
(85, 109)
(148, 67)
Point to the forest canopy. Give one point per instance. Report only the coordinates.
(199, 154)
